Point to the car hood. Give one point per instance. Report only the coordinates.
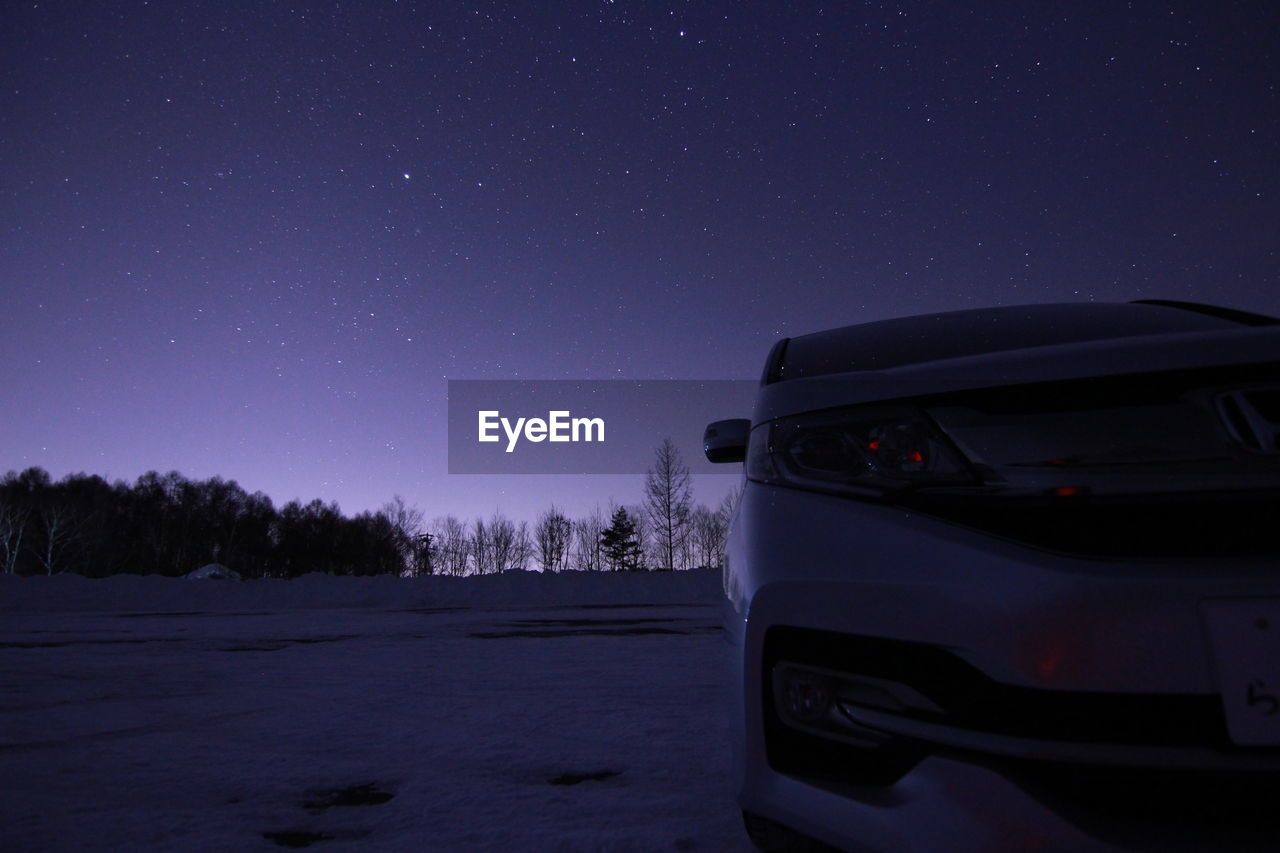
(1112, 357)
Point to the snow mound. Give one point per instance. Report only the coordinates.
(213, 572)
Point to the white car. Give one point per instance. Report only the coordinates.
(1008, 579)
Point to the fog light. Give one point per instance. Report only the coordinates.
(826, 702)
(809, 699)
(805, 696)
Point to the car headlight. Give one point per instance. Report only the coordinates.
(863, 451)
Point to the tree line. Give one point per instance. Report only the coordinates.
(169, 525)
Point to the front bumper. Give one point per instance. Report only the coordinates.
(1057, 674)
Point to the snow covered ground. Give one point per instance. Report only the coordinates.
(518, 712)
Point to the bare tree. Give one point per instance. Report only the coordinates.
(449, 545)
(668, 497)
(61, 530)
(502, 536)
(412, 539)
(508, 543)
(481, 548)
(729, 505)
(650, 547)
(706, 539)
(712, 531)
(13, 524)
(522, 547)
(588, 553)
(552, 537)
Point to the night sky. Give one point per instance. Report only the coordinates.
(255, 240)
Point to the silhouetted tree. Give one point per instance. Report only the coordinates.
(706, 538)
(588, 555)
(508, 543)
(552, 536)
(98, 508)
(668, 497)
(618, 542)
(480, 548)
(450, 545)
(370, 545)
(411, 536)
(309, 539)
(167, 524)
(252, 553)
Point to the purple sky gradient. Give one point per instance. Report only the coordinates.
(255, 240)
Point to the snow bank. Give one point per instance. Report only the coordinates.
(150, 593)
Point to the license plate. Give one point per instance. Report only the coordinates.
(1244, 636)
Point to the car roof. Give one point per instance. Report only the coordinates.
(955, 334)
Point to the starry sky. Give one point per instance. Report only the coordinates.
(255, 240)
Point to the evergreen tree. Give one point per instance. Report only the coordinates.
(619, 543)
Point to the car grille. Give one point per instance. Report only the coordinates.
(1220, 525)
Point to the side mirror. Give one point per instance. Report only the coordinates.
(726, 441)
